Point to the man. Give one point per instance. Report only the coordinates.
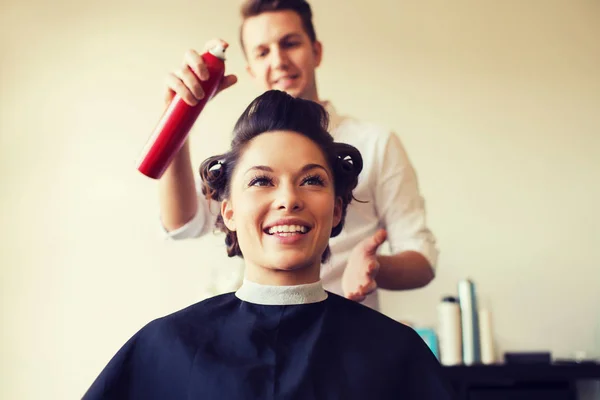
(282, 52)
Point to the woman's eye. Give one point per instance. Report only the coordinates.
(313, 180)
(261, 181)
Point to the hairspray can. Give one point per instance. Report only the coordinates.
(469, 321)
(449, 331)
(177, 120)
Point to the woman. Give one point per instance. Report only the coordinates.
(284, 188)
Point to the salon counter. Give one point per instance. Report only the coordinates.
(521, 381)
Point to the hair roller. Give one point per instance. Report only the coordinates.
(348, 158)
(213, 172)
(348, 164)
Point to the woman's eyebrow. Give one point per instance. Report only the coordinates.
(259, 168)
(308, 167)
(304, 169)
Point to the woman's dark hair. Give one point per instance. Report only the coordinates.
(278, 111)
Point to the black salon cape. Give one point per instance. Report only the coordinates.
(226, 348)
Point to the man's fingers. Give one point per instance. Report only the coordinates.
(363, 291)
(356, 297)
(191, 81)
(372, 269)
(227, 81)
(379, 237)
(176, 86)
(369, 288)
(373, 242)
(195, 62)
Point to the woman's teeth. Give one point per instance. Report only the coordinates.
(287, 230)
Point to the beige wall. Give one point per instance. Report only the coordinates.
(497, 103)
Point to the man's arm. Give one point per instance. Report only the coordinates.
(177, 192)
(402, 210)
(178, 196)
(403, 271)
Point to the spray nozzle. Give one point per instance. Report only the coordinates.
(218, 51)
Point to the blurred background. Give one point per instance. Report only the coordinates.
(497, 103)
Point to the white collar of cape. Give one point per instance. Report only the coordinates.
(271, 295)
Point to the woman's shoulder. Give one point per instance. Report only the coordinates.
(194, 316)
(351, 313)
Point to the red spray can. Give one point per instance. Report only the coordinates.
(177, 120)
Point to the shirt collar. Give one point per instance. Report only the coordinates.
(252, 292)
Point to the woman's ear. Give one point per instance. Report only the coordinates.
(227, 214)
(337, 211)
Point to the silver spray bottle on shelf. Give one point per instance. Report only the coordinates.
(467, 299)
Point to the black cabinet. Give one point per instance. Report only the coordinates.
(520, 381)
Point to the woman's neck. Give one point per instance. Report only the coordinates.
(278, 277)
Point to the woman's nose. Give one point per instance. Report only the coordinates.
(289, 199)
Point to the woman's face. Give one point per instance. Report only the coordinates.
(282, 207)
